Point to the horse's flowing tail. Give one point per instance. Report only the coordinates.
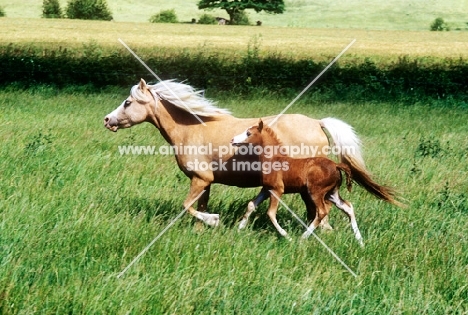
(348, 146)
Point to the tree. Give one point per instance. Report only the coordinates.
(165, 16)
(51, 9)
(439, 25)
(235, 8)
(88, 10)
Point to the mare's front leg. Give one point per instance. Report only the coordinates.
(203, 200)
(202, 206)
(263, 195)
(197, 185)
(273, 209)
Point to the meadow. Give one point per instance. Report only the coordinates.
(74, 213)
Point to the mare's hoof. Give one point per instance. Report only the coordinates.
(213, 220)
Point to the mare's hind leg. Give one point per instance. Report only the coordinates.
(263, 195)
(347, 208)
(273, 209)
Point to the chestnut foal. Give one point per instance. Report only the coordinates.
(318, 178)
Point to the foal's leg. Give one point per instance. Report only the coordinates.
(311, 212)
(263, 195)
(273, 209)
(322, 211)
(347, 208)
(325, 225)
(310, 206)
(197, 185)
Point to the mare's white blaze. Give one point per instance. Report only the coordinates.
(116, 111)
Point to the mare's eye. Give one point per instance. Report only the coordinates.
(127, 103)
(248, 133)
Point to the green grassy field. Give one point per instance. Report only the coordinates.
(74, 213)
(361, 14)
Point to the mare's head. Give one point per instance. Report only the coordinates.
(253, 135)
(134, 110)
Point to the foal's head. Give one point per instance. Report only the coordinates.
(253, 135)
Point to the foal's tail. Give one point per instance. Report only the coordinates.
(348, 148)
(345, 169)
(363, 178)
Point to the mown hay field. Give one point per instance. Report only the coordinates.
(316, 44)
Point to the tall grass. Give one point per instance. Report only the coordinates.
(74, 213)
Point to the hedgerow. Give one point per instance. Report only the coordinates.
(405, 77)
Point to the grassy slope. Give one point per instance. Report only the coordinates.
(366, 14)
(74, 213)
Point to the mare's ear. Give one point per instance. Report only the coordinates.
(260, 125)
(142, 85)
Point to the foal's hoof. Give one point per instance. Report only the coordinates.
(326, 226)
(307, 234)
(242, 224)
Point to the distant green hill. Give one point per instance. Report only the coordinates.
(364, 14)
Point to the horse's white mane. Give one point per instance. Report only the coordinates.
(182, 96)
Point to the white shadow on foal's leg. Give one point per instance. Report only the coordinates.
(263, 195)
(245, 218)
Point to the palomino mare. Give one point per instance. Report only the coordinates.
(318, 177)
(188, 120)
